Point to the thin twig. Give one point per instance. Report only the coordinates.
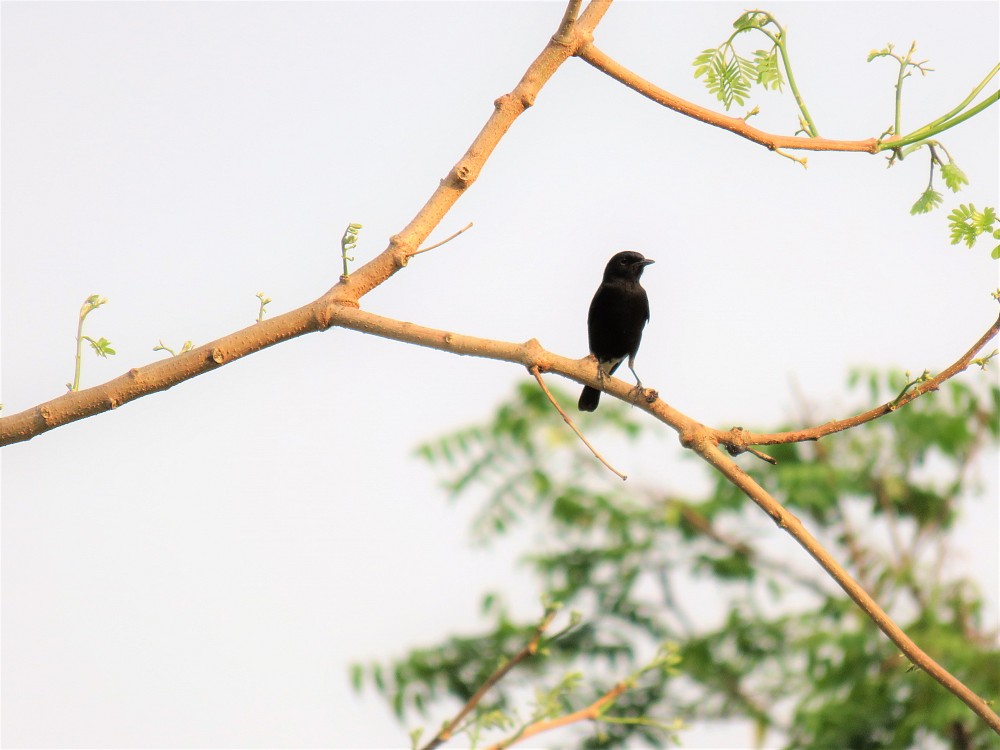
(446, 239)
(529, 650)
(323, 314)
(538, 376)
(592, 55)
(739, 438)
(763, 456)
(590, 713)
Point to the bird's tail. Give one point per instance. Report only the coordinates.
(589, 399)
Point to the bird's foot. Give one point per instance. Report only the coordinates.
(636, 393)
(602, 377)
(639, 393)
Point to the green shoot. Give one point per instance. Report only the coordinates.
(347, 244)
(905, 65)
(982, 362)
(729, 76)
(161, 347)
(967, 224)
(264, 301)
(101, 346)
(923, 378)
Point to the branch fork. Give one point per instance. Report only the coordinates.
(340, 307)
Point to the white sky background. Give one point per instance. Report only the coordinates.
(199, 567)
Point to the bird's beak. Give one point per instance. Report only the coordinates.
(648, 262)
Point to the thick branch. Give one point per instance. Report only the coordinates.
(159, 376)
(605, 64)
(740, 439)
(339, 307)
(506, 109)
(703, 445)
(531, 355)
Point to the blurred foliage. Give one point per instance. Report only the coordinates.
(761, 633)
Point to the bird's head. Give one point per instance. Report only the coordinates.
(626, 265)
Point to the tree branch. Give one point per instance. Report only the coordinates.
(705, 447)
(447, 239)
(530, 354)
(552, 400)
(591, 54)
(507, 109)
(316, 316)
(590, 713)
(339, 307)
(530, 649)
(738, 438)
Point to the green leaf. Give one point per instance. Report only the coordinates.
(768, 69)
(967, 224)
(927, 202)
(752, 19)
(703, 63)
(101, 347)
(954, 177)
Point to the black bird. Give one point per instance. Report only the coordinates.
(618, 313)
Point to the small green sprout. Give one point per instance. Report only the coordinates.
(264, 302)
(161, 347)
(347, 244)
(101, 346)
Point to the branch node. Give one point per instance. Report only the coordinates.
(735, 442)
(463, 175)
(536, 355)
(217, 356)
(694, 436)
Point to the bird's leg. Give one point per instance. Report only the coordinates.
(602, 377)
(637, 391)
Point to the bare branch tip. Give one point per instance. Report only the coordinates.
(438, 244)
(534, 370)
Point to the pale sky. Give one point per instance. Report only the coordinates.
(199, 567)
